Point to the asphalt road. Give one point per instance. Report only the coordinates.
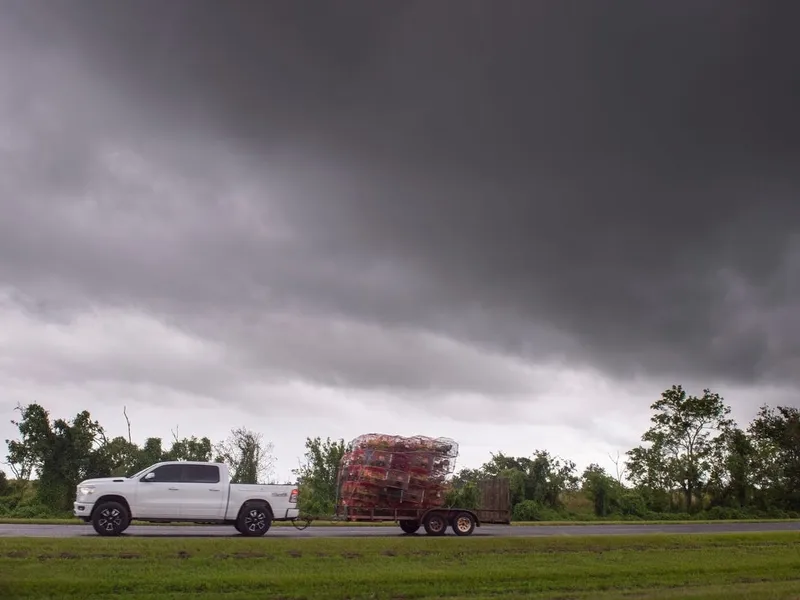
(63, 531)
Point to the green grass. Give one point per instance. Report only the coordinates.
(727, 566)
(327, 523)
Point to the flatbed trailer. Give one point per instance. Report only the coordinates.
(494, 502)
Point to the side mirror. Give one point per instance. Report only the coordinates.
(149, 477)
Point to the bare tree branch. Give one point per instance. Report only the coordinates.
(620, 472)
(128, 421)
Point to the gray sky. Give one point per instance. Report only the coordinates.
(513, 224)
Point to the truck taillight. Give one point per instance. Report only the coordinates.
(293, 496)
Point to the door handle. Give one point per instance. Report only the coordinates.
(213, 490)
(173, 489)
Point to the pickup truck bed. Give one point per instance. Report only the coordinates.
(183, 491)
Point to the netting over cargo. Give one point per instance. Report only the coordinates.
(384, 471)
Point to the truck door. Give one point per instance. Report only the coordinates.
(159, 497)
(203, 496)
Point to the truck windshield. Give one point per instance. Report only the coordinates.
(135, 475)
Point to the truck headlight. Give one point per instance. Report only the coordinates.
(85, 490)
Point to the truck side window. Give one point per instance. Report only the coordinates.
(168, 474)
(200, 474)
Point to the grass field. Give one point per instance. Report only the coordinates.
(724, 567)
(324, 523)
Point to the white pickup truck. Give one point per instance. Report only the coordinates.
(194, 492)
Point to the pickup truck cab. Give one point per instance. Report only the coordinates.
(183, 491)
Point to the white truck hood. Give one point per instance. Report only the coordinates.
(102, 480)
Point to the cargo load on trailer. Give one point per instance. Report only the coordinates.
(396, 472)
(407, 480)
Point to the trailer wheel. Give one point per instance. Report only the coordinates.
(409, 526)
(435, 524)
(463, 524)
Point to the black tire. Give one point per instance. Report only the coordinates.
(254, 519)
(409, 527)
(435, 524)
(110, 518)
(463, 524)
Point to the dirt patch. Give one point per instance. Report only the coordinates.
(68, 555)
(241, 555)
(129, 555)
(295, 553)
(16, 554)
(351, 555)
(389, 552)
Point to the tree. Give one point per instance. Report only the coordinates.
(149, 454)
(682, 440)
(318, 476)
(542, 479)
(602, 489)
(732, 473)
(250, 460)
(189, 449)
(776, 440)
(648, 472)
(5, 485)
(61, 453)
(25, 456)
(619, 470)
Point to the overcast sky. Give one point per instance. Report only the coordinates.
(509, 223)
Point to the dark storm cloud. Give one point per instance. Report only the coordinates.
(617, 183)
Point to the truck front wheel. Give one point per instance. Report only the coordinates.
(110, 518)
(254, 520)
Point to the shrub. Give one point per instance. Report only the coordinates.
(530, 510)
(7, 505)
(465, 496)
(632, 504)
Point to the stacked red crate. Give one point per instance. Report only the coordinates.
(384, 471)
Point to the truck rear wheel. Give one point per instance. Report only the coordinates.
(409, 526)
(463, 524)
(435, 524)
(110, 518)
(254, 520)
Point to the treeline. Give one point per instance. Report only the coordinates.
(694, 462)
(60, 453)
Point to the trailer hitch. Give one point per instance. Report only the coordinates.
(298, 527)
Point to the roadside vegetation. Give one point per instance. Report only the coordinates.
(653, 566)
(694, 463)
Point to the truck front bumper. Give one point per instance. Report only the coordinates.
(83, 510)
